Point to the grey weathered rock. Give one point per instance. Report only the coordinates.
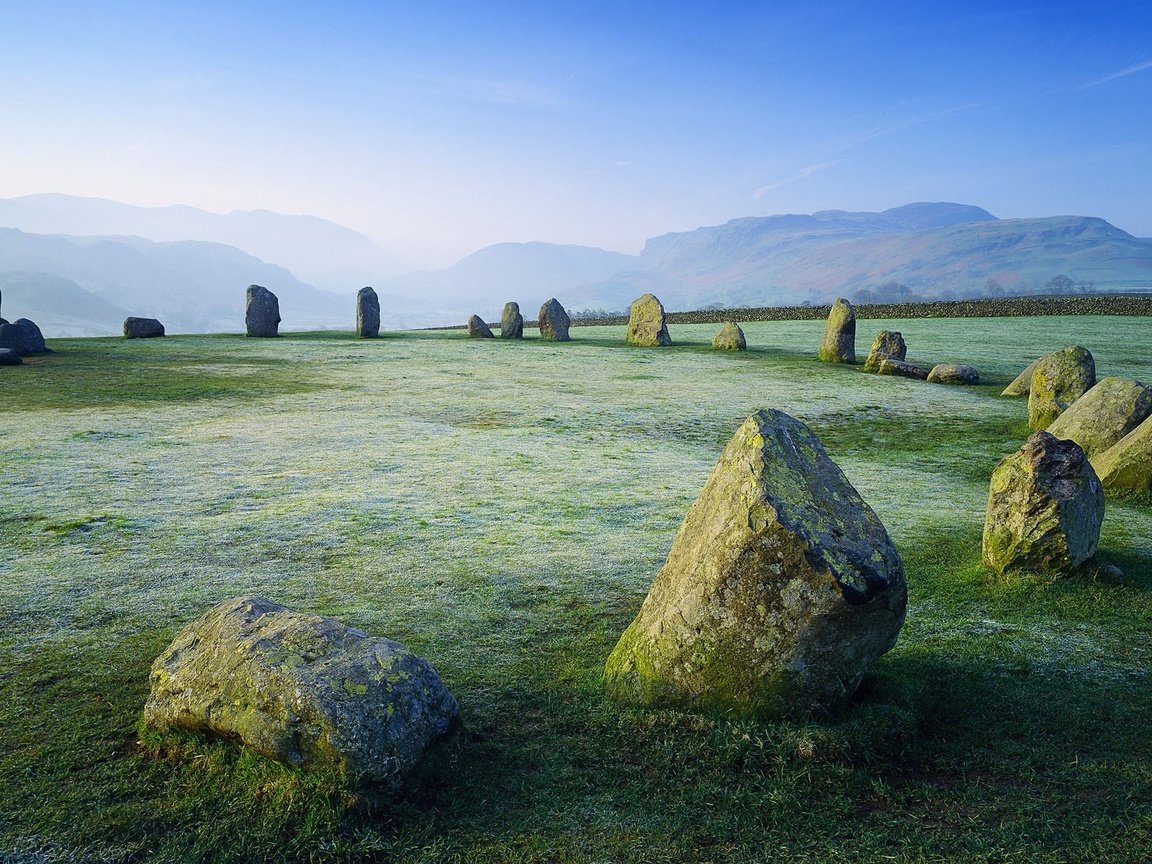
(1045, 507)
(953, 373)
(262, 312)
(142, 328)
(1059, 379)
(1104, 415)
(367, 313)
(647, 323)
(553, 321)
(888, 343)
(23, 337)
(730, 338)
(892, 366)
(8, 357)
(1022, 383)
(301, 689)
(781, 588)
(1127, 464)
(511, 322)
(478, 328)
(839, 343)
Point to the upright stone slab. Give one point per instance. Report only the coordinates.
(553, 322)
(730, 338)
(142, 328)
(647, 323)
(1022, 383)
(511, 322)
(887, 344)
(262, 312)
(478, 328)
(1059, 379)
(367, 314)
(839, 343)
(23, 337)
(1045, 507)
(301, 689)
(1127, 464)
(781, 588)
(1104, 415)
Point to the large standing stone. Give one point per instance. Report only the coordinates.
(301, 689)
(1022, 383)
(954, 373)
(262, 314)
(511, 322)
(8, 357)
(647, 323)
(478, 328)
(1045, 506)
(1127, 464)
(142, 328)
(888, 343)
(892, 366)
(730, 338)
(553, 321)
(1059, 379)
(367, 314)
(781, 588)
(839, 343)
(23, 337)
(1104, 415)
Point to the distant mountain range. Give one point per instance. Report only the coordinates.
(87, 284)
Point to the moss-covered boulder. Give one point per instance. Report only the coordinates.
(647, 323)
(839, 342)
(478, 328)
(954, 373)
(511, 322)
(901, 369)
(1059, 379)
(887, 344)
(553, 322)
(1104, 415)
(730, 338)
(367, 313)
(261, 312)
(1045, 508)
(781, 588)
(301, 689)
(1022, 383)
(1127, 464)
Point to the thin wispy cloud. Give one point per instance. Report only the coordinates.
(808, 171)
(1123, 73)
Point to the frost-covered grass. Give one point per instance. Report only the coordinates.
(501, 508)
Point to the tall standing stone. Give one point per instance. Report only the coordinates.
(553, 322)
(1059, 379)
(888, 344)
(511, 322)
(781, 588)
(262, 313)
(478, 328)
(647, 323)
(839, 343)
(367, 314)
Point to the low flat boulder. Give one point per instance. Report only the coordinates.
(553, 322)
(647, 323)
(839, 342)
(892, 366)
(781, 588)
(511, 322)
(1022, 383)
(142, 328)
(1104, 415)
(1059, 379)
(367, 313)
(887, 344)
(301, 689)
(730, 338)
(1045, 508)
(953, 373)
(261, 312)
(8, 357)
(478, 328)
(1127, 464)
(23, 337)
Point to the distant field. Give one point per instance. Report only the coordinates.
(501, 508)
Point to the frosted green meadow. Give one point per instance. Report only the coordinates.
(501, 508)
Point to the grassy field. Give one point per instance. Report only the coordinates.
(501, 508)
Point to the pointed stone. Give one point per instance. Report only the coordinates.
(478, 328)
(839, 343)
(647, 323)
(730, 338)
(511, 322)
(553, 322)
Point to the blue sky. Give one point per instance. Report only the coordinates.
(437, 128)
